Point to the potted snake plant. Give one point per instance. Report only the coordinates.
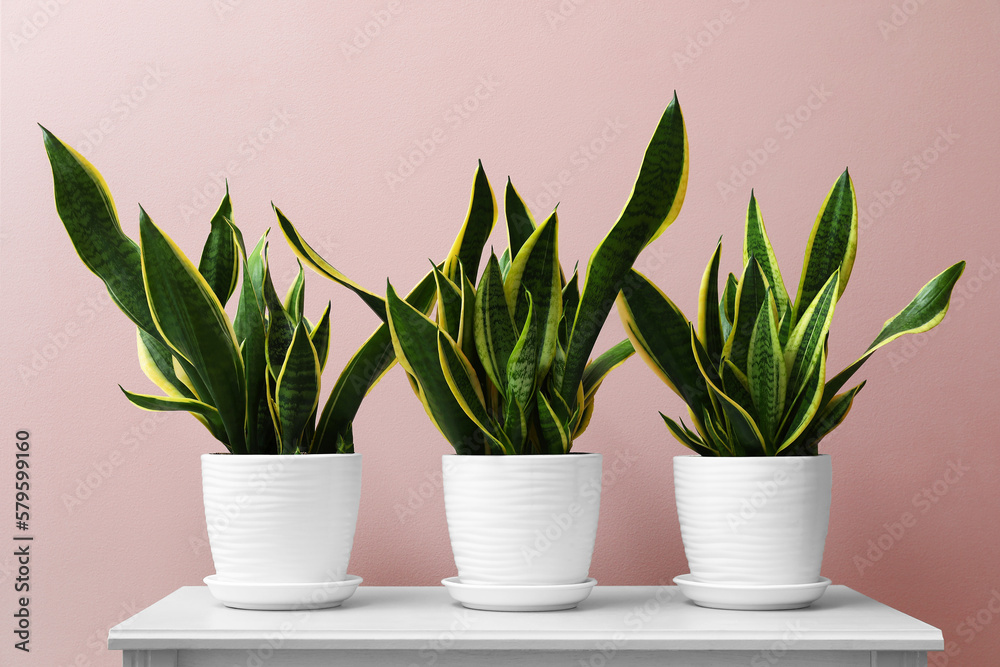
(754, 500)
(253, 381)
(503, 370)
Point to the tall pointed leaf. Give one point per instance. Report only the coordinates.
(297, 390)
(757, 245)
(465, 387)
(536, 271)
(827, 419)
(832, 244)
(156, 361)
(809, 334)
(220, 261)
(190, 318)
(555, 437)
(766, 373)
(479, 221)
(520, 222)
(660, 334)
(206, 414)
(320, 337)
(709, 322)
(449, 303)
(494, 328)
(599, 368)
(88, 212)
(653, 205)
(414, 337)
(751, 295)
(295, 298)
(523, 361)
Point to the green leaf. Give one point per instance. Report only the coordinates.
(808, 336)
(494, 328)
(515, 426)
(156, 361)
(745, 432)
(736, 385)
(766, 373)
(252, 336)
(750, 296)
(554, 435)
(465, 387)
(295, 298)
(505, 263)
(205, 413)
(468, 247)
(414, 337)
(523, 361)
(520, 222)
(832, 245)
(536, 271)
(727, 306)
(660, 334)
(709, 322)
(806, 402)
(449, 304)
(827, 419)
(312, 258)
(570, 301)
(757, 245)
(280, 327)
(297, 391)
(368, 365)
(599, 368)
(923, 313)
(219, 263)
(191, 320)
(88, 212)
(653, 205)
(687, 438)
(320, 337)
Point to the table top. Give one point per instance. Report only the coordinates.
(633, 617)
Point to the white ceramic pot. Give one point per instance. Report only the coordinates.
(754, 520)
(528, 520)
(280, 519)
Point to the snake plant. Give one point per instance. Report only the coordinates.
(503, 365)
(753, 371)
(253, 380)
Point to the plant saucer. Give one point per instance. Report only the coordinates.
(503, 597)
(750, 597)
(282, 597)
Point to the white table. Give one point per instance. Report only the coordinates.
(423, 627)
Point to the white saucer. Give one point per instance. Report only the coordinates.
(750, 597)
(281, 597)
(495, 597)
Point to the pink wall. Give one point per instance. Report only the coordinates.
(165, 97)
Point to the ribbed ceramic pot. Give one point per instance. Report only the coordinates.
(528, 520)
(754, 520)
(281, 519)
